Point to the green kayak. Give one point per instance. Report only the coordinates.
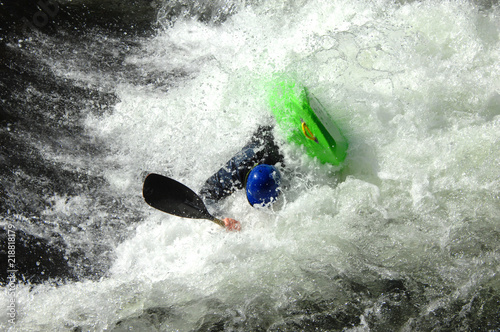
(304, 121)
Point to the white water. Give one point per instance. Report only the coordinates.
(414, 87)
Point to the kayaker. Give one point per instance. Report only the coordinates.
(256, 166)
(253, 168)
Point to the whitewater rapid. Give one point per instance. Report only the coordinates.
(404, 236)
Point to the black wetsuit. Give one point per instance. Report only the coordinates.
(261, 149)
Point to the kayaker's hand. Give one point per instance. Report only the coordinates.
(231, 224)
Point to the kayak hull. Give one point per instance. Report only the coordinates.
(304, 121)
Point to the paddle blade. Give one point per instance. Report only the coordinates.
(170, 196)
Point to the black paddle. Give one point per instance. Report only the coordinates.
(170, 196)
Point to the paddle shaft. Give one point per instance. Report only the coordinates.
(219, 222)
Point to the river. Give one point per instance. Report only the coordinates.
(405, 236)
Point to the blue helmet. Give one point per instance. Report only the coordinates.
(263, 183)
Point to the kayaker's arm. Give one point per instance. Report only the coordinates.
(260, 150)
